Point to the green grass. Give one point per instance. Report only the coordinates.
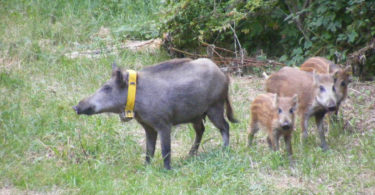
(46, 147)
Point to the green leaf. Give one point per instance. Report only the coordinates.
(307, 44)
(283, 58)
(351, 36)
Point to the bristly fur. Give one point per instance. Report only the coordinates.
(167, 65)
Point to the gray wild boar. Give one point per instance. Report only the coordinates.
(170, 93)
(316, 95)
(276, 115)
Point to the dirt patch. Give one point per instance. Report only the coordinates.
(8, 64)
(9, 190)
(104, 33)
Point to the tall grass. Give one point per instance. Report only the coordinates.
(45, 147)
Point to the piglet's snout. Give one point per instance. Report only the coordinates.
(285, 125)
(332, 106)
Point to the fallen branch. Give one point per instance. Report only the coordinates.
(231, 63)
(216, 47)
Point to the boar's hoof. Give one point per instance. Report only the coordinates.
(324, 148)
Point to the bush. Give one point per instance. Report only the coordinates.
(289, 30)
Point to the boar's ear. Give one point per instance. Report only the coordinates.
(114, 66)
(120, 78)
(295, 101)
(315, 78)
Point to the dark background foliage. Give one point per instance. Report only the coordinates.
(287, 30)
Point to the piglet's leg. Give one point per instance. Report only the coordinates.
(252, 131)
(272, 140)
(288, 145)
(304, 126)
(319, 123)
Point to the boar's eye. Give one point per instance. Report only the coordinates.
(343, 84)
(107, 88)
(322, 89)
(279, 110)
(333, 88)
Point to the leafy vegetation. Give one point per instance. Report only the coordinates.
(291, 30)
(46, 148)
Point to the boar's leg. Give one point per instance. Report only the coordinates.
(253, 130)
(165, 141)
(151, 136)
(216, 115)
(319, 123)
(199, 130)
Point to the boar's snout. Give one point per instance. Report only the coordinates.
(75, 109)
(82, 109)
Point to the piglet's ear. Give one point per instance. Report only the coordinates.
(348, 70)
(348, 73)
(275, 100)
(335, 75)
(315, 78)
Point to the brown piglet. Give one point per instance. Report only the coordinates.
(323, 66)
(316, 95)
(276, 115)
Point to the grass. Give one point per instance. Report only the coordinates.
(46, 148)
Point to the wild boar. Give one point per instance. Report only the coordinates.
(316, 95)
(323, 66)
(276, 115)
(170, 93)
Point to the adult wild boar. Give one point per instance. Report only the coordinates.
(323, 66)
(170, 93)
(316, 95)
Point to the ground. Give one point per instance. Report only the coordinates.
(45, 148)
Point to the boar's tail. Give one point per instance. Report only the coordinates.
(230, 111)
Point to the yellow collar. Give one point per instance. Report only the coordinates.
(132, 87)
